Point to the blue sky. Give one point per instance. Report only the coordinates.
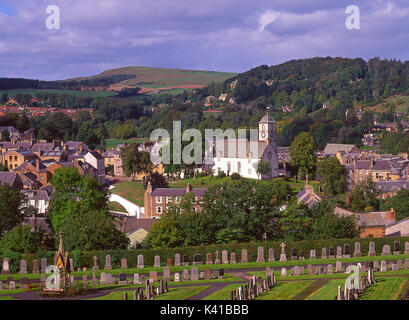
(222, 35)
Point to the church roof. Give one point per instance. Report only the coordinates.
(266, 119)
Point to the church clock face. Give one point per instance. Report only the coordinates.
(263, 134)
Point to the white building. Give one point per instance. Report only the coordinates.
(243, 156)
(38, 199)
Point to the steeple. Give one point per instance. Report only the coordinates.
(266, 128)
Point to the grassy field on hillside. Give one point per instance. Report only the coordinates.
(401, 104)
(33, 92)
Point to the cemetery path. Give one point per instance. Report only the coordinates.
(213, 288)
(311, 288)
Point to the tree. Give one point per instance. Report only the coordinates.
(295, 222)
(11, 201)
(333, 176)
(364, 196)
(135, 161)
(262, 168)
(165, 233)
(21, 239)
(4, 97)
(302, 154)
(399, 203)
(157, 180)
(5, 135)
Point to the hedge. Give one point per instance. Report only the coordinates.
(85, 259)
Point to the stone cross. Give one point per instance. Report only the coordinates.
(282, 245)
(95, 267)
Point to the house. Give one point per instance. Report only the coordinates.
(332, 149)
(242, 156)
(157, 200)
(372, 223)
(15, 158)
(98, 163)
(38, 173)
(398, 229)
(136, 229)
(223, 97)
(388, 189)
(308, 196)
(39, 199)
(12, 179)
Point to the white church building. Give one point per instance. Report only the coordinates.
(247, 154)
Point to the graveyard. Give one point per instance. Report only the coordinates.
(334, 273)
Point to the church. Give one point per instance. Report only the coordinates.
(245, 163)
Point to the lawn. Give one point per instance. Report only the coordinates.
(115, 206)
(112, 143)
(222, 294)
(388, 288)
(130, 190)
(286, 290)
(328, 291)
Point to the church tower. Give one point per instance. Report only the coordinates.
(267, 130)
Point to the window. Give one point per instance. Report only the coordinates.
(178, 199)
(250, 172)
(239, 167)
(159, 209)
(168, 199)
(158, 199)
(228, 166)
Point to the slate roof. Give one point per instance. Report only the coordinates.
(391, 186)
(367, 219)
(333, 149)
(132, 224)
(308, 196)
(43, 146)
(8, 178)
(36, 194)
(266, 118)
(177, 192)
(17, 145)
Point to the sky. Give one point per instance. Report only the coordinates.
(217, 35)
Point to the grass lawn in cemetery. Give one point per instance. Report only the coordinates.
(286, 290)
(222, 293)
(385, 288)
(328, 291)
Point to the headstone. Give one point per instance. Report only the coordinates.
(394, 267)
(330, 269)
(386, 250)
(177, 277)
(347, 251)
(283, 256)
(406, 264)
(12, 285)
(269, 272)
(309, 269)
(185, 275)
(260, 254)
(43, 265)
(338, 266)
(104, 278)
(84, 279)
(94, 280)
(169, 262)
(71, 265)
(177, 260)
(406, 247)
(320, 269)
(108, 265)
(6, 266)
(201, 275)
(1, 285)
(194, 273)
(221, 273)
(331, 252)
(399, 264)
(383, 266)
(301, 270)
(122, 279)
(95, 266)
(294, 254)
(157, 262)
(24, 283)
(185, 260)
(283, 272)
(153, 276)
(136, 279)
(166, 274)
(301, 257)
(124, 263)
(396, 248)
(84, 269)
(357, 251)
(72, 279)
(313, 254)
(244, 258)
(233, 257)
(376, 265)
(271, 255)
(339, 252)
(141, 264)
(296, 271)
(225, 259)
(23, 266)
(371, 251)
(197, 259)
(35, 266)
(324, 253)
(209, 258)
(208, 274)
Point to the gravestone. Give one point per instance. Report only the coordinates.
(185, 275)
(169, 262)
(347, 251)
(296, 271)
(12, 285)
(95, 266)
(310, 269)
(225, 259)
(399, 264)
(6, 266)
(371, 251)
(124, 263)
(269, 272)
(136, 279)
(396, 247)
(185, 260)
(363, 267)
(94, 280)
(383, 266)
(71, 264)
(104, 278)
(201, 275)
(84, 269)
(35, 266)
(339, 252)
(260, 254)
(331, 252)
(338, 266)
(23, 266)
(1, 285)
(153, 276)
(232, 257)
(208, 274)
(283, 256)
(197, 259)
(111, 279)
(406, 247)
(283, 272)
(194, 274)
(209, 258)
(271, 255)
(301, 257)
(177, 277)
(313, 254)
(84, 279)
(406, 263)
(177, 260)
(324, 253)
(294, 254)
(24, 283)
(122, 279)
(357, 249)
(141, 264)
(43, 265)
(320, 270)
(386, 250)
(108, 265)
(394, 267)
(376, 265)
(330, 269)
(221, 274)
(244, 257)
(301, 270)
(157, 262)
(217, 259)
(166, 274)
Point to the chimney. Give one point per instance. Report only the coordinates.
(149, 187)
(188, 187)
(390, 215)
(37, 165)
(372, 162)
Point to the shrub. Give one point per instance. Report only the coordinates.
(235, 176)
